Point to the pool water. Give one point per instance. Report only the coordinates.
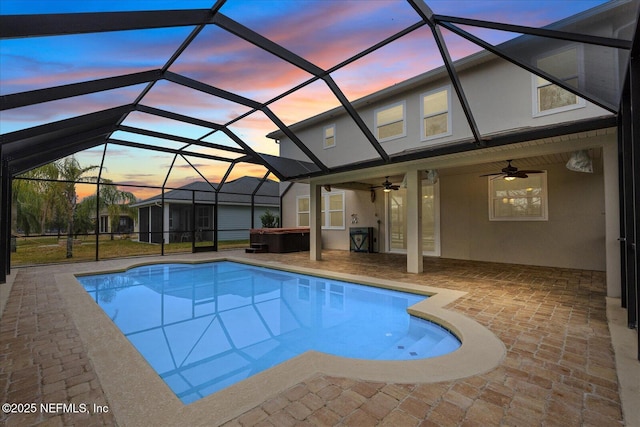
(204, 327)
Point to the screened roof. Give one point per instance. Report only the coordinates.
(165, 92)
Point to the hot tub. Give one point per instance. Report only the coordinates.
(280, 240)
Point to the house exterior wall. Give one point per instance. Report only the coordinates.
(234, 222)
(501, 96)
(356, 202)
(573, 236)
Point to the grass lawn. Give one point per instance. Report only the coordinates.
(50, 249)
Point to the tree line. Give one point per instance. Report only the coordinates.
(45, 199)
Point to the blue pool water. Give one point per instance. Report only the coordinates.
(204, 327)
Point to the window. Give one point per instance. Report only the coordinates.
(332, 206)
(104, 224)
(390, 122)
(550, 98)
(329, 136)
(436, 120)
(203, 217)
(522, 199)
(397, 223)
(303, 211)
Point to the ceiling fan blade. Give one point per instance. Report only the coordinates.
(521, 174)
(493, 174)
(394, 187)
(529, 171)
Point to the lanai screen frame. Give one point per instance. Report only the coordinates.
(23, 150)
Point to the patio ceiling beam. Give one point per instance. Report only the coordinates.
(252, 153)
(264, 43)
(169, 150)
(108, 116)
(225, 177)
(178, 117)
(211, 90)
(499, 52)
(186, 119)
(542, 32)
(55, 24)
(356, 117)
(177, 138)
(198, 172)
(292, 136)
(427, 15)
(44, 152)
(23, 99)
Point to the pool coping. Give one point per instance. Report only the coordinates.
(138, 396)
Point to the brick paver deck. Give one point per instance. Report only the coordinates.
(559, 369)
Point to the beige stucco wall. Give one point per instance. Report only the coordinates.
(573, 237)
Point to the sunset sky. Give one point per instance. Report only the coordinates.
(324, 32)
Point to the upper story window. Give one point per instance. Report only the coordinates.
(550, 98)
(390, 122)
(521, 199)
(436, 119)
(329, 136)
(332, 210)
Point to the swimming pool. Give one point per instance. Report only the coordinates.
(203, 327)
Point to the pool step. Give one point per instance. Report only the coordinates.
(257, 248)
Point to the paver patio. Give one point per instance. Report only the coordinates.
(559, 369)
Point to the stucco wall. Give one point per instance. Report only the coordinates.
(573, 237)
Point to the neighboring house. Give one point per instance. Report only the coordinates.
(442, 205)
(126, 224)
(180, 222)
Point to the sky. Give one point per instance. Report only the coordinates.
(324, 32)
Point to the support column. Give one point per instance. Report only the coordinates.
(414, 222)
(612, 219)
(315, 221)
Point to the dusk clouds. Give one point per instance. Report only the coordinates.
(324, 32)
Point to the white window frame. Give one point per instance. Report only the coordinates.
(544, 196)
(580, 102)
(298, 211)
(423, 136)
(327, 211)
(436, 229)
(326, 214)
(325, 145)
(376, 125)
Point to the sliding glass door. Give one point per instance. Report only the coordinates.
(397, 220)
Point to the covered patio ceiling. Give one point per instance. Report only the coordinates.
(167, 91)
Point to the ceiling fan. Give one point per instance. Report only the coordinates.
(510, 172)
(387, 185)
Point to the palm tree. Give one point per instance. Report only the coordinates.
(70, 172)
(117, 202)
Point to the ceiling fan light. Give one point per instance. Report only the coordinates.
(509, 178)
(387, 190)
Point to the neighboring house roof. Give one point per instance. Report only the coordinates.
(237, 192)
